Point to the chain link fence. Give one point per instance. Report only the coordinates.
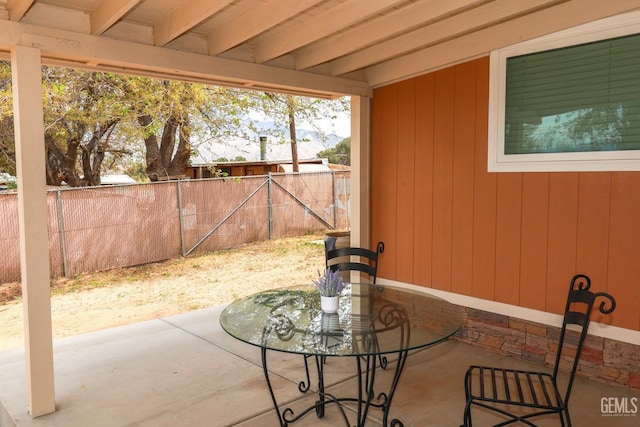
(100, 228)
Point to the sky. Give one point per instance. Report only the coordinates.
(340, 126)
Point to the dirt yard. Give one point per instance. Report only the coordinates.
(90, 302)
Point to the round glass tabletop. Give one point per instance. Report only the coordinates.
(371, 319)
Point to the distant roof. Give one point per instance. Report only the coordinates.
(260, 162)
(303, 167)
(5, 177)
(114, 179)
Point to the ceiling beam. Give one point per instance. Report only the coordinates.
(457, 25)
(108, 13)
(61, 47)
(482, 42)
(282, 41)
(254, 22)
(18, 8)
(368, 33)
(186, 17)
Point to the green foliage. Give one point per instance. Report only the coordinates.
(217, 173)
(92, 121)
(7, 146)
(311, 111)
(137, 171)
(338, 155)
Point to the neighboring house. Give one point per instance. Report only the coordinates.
(247, 168)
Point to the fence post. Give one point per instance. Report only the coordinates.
(63, 243)
(180, 221)
(270, 204)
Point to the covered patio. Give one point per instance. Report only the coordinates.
(502, 245)
(186, 371)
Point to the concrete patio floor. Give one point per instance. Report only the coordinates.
(186, 371)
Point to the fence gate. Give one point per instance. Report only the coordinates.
(301, 202)
(223, 213)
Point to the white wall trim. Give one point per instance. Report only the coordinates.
(543, 317)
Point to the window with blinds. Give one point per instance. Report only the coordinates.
(569, 101)
(579, 98)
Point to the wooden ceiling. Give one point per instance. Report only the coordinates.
(313, 47)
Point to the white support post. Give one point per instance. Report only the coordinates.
(360, 171)
(34, 237)
(360, 188)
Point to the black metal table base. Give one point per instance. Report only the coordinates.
(365, 400)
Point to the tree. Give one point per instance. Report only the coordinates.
(7, 146)
(161, 109)
(279, 106)
(80, 115)
(287, 109)
(340, 154)
(170, 112)
(98, 121)
(81, 110)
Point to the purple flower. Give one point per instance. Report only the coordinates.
(331, 284)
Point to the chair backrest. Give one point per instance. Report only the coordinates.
(580, 302)
(355, 259)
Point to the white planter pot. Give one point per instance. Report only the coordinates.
(329, 304)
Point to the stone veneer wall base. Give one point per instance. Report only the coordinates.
(602, 359)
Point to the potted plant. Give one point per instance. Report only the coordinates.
(330, 285)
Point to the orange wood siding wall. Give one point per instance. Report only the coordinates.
(516, 238)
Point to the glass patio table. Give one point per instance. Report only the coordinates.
(377, 325)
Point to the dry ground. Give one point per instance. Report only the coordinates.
(90, 302)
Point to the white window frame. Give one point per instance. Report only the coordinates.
(623, 160)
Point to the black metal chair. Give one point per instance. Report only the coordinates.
(522, 395)
(346, 259)
(355, 259)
